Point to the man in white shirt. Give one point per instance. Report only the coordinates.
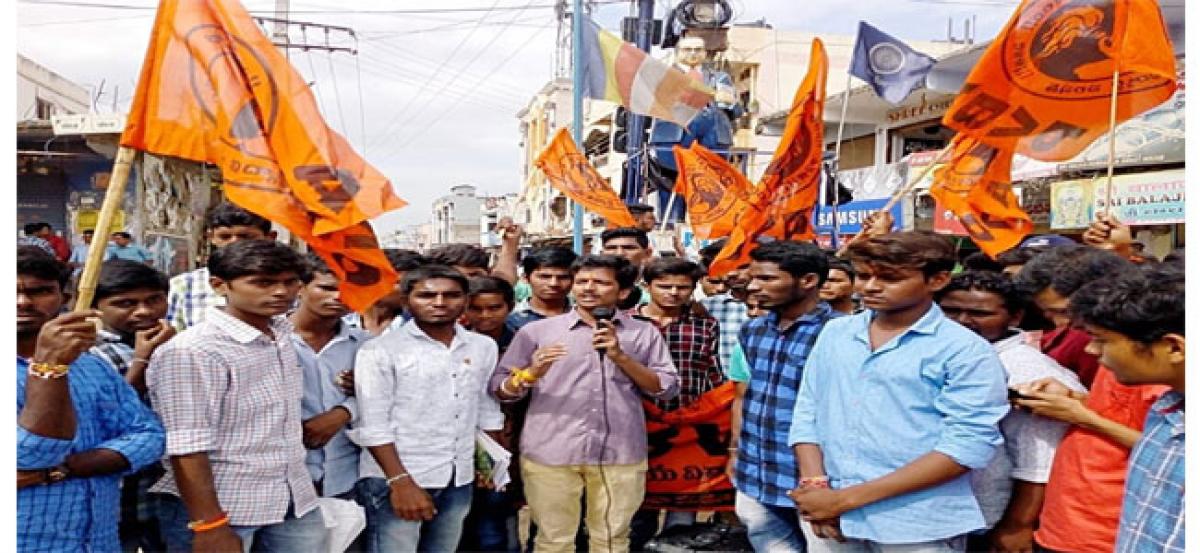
(422, 396)
(1010, 489)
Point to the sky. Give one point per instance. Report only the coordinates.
(432, 96)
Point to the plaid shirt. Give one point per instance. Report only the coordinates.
(1152, 514)
(80, 514)
(730, 312)
(766, 466)
(189, 298)
(226, 389)
(693, 343)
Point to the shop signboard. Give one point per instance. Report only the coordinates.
(850, 216)
(1154, 198)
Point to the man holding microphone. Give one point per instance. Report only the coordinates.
(585, 430)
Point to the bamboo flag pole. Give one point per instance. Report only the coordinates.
(1112, 140)
(112, 199)
(900, 193)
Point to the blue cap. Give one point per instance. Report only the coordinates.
(1046, 241)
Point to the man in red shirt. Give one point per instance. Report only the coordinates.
(62, 250)
(1082, 507)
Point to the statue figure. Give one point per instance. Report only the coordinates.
(712, 127)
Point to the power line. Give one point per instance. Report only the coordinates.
(410, 60)
(329, 11)
(404, 109)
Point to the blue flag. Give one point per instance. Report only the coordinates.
(887, 64)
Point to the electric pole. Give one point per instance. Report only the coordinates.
(634, 184)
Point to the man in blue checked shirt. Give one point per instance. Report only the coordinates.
(785, 278)
(898, 404)
(1137, 322)
(80, 426)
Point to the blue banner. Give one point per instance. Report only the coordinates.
(889, 65)
(851, 216)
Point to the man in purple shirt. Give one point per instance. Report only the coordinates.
(585, 429)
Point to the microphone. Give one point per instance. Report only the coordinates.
(603, 314)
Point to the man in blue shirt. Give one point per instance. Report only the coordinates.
(122, 247)
(326, 347)
(80, 427)
(785, 278)
(897, 405)
(1137, 322)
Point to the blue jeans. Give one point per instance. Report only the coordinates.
(387, 532)
(307, 533)
(492, 523)
(770, 528)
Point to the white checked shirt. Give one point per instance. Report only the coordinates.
(426, 399)
(189, 298)
(226, 389)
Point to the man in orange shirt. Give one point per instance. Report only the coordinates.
(1087, 481)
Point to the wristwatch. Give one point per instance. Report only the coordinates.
(54, 475)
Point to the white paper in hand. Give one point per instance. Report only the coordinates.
(499, 458)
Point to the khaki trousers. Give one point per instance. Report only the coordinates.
(553, 495)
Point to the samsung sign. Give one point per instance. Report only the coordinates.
(851, 216)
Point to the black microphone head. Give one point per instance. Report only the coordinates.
(604, 313)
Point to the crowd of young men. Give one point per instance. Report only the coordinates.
(885, 402)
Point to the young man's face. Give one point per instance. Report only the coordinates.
(133, 310)
(260, 295)
(671, 291)
(753, 308)
(224, 236)
(737, 280)
(597, 287)
(838, 286)
(775, 289)
(38, 301)
(322, 298)
(486, 313)
(628, 247)
(437, 301)
(982, 312)
(87, 238)
(550, 284)
(472, 272)
(646, 221)
(887, 289)
(1054, 306)
(120, 240)
(713, 286)
(1133, 362)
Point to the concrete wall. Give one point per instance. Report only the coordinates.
(36, 82)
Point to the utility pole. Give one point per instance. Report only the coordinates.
(637, 124)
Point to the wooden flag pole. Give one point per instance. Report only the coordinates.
(112, 199)
(903, 191)
(1112, 140)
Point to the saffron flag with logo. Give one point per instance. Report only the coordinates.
(568, 170)
(620, 72)
(714, 191)
(976, 186)
(782, 205)
(1043, 88)
(213, 88)
(688, 451)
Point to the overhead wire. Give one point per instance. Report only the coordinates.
(404, 109)
(483, 79)
(409, 59)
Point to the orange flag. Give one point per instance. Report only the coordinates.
(569, 171)
(975, 185)
(714, 191)
(213, 88)
(782, 206)
(1044, 86)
